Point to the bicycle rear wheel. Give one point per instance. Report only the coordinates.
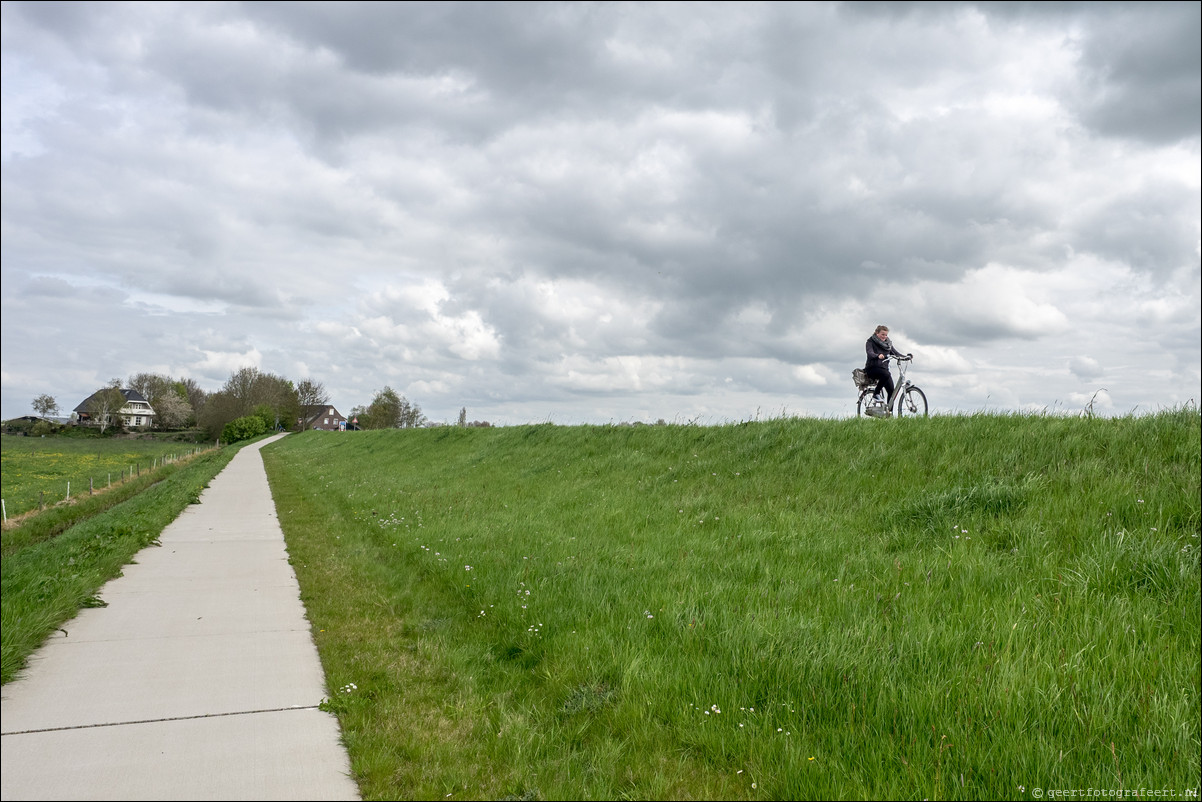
(862, 403)
(912, 402)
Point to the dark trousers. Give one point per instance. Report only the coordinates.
(884, 379)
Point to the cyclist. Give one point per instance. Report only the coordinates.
(879, 348)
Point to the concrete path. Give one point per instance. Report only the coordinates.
(199, 680)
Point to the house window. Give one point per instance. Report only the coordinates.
(138, 421)
(327, 422)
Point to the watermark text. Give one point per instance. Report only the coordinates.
(1112, 793)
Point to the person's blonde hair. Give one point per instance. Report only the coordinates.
(881, 328)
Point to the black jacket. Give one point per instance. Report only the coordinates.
(874, 348)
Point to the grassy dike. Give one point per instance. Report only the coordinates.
(53, 564)
(946, 608)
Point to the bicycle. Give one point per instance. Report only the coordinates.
(908, 399)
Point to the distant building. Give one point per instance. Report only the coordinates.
(324, 417)
(136, 413)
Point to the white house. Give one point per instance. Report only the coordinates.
(136, 413)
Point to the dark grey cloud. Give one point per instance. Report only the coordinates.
(1141, 228)
(45, 287)
(1141, 75)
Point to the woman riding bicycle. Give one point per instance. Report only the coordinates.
(879, 348)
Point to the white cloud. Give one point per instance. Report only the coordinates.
(620, 374)
(216, 364)
(990, 302)
(939, 359)
(414, 317)
(809, 375)
(1085, 368)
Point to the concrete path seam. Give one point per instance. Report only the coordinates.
(157, 720)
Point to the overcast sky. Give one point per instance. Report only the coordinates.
(606, 212)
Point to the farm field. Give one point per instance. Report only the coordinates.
(947, 608)
(33, 466)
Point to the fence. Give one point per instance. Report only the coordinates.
(133, 471)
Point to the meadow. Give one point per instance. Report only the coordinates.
(36, 470)
(947, 608)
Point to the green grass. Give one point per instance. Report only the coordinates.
(33, 469)
(54, 563)
(953, 607)
(37, 527)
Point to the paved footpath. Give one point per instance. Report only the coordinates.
(199, 680)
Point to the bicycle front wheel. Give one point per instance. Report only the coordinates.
(912, 402)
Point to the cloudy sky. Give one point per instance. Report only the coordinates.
(605, 212)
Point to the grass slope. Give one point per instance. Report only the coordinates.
(954, 607)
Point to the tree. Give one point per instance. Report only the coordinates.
(309, 394)
(251, 388)
(389, 410)
(411, 416)
(279, 395)
(152, 386)
(463, 416)
(160, 392)
(45, 405)
(248, 392)
(240, 387)
(171, 411)
(266, 414)
(219, 409)
(105, 403)
(243, 429)
(383, 411)
(196, 397)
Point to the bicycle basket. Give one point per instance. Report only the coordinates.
(862, 379)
